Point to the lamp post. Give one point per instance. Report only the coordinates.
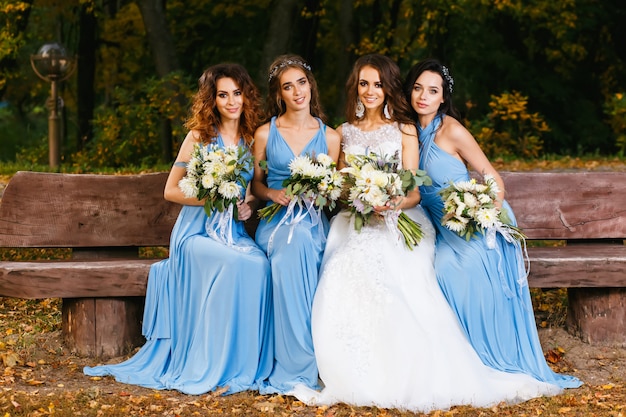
(52, 64)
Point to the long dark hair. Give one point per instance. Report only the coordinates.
(433, 65)
(391, 80)
(204, 116)
(275, 105)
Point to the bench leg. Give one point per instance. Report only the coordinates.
(597, 315)
(102, 327)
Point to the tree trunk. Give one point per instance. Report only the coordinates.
(165, 58)
(278, 34)
(86, 75)
(344, 58)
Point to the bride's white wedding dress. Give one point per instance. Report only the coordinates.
(383, 333)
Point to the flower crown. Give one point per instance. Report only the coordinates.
(283, 64)
(448, 77)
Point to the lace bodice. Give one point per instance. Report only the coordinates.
(386, 140)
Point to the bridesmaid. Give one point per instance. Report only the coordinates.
(486, 288)
(208, 306)
(293, 241)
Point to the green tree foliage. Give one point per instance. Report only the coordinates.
(13, 17)
(615, 109)
(565, 60)
(509, 129)
(127, 131)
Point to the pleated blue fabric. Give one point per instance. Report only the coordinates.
(486, 288)
(294, 244)
(207, 317)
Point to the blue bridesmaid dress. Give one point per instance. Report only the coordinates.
(294, 245)
(486, 288)
(207, 316)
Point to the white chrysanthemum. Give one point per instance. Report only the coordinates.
(188, 186)
(216, 155)
(354, 193)
(487, 217)
(300, 165)
(464, 185)
(492, 185)
(470, 200)
(373, 176)
(193, 166)
(316, 171)
(229, 189)
(456, 225)
(460, 206)
(325, 160)
(335, 193)
(323, 185)
(217, 168)
(480, 188)
(374, 196)
(203, 153)
(208, 181)
(484, 198)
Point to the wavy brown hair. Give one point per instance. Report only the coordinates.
(275, 105)
(391, 80)
(204, 116)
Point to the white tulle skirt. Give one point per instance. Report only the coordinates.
(385, 336)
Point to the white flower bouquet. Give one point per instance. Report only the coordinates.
(373, 181)
(313, 179)
(215, 174)
(469, 208)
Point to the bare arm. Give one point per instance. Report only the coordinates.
(172, 192)
(410, 160)
(341, 160)
(465, 146)
(259, 189)
(333, 142)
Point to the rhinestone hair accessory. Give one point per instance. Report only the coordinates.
(448, 77)
(283, 64)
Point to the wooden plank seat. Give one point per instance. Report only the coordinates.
(105, 219)
(585, 211)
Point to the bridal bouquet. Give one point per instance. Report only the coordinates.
(216, 174)
(373, 181)
(313, 180)
(469, 207)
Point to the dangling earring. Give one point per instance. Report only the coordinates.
(386, 112)
(360, 108)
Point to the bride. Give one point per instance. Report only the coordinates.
(383, 332)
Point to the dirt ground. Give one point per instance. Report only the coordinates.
(49, 367)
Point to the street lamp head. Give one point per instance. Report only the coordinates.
(52, 63)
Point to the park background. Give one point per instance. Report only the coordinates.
(540, 83)
(534, 79)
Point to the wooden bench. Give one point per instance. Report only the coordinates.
(104, 219)
(586, 210)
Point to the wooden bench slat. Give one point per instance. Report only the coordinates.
(567, 205)
(75, 279)
(577, 266)
(42, 209)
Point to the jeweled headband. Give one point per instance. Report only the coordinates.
(283, 64)
(448, 77)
